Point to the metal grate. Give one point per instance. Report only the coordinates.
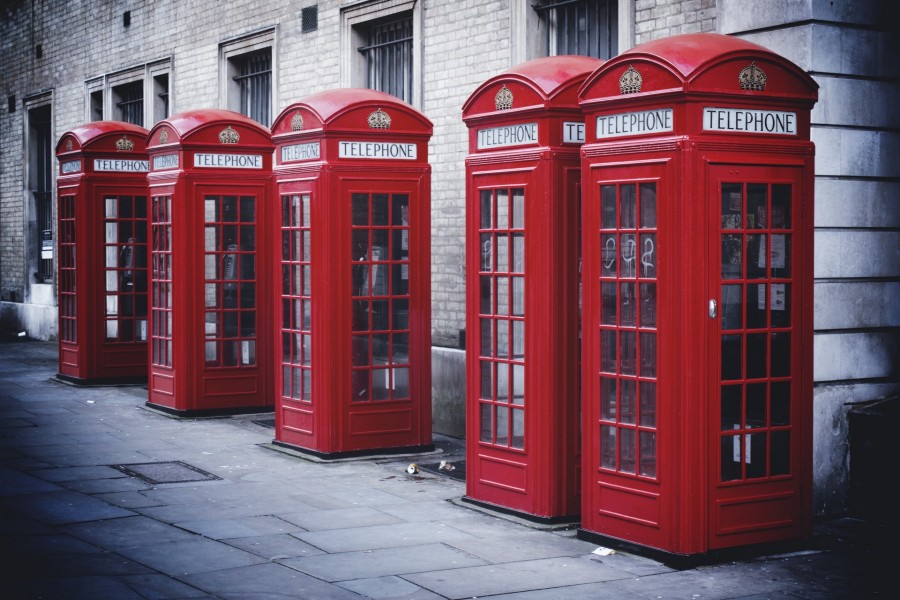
(309, 19)
(166, 472)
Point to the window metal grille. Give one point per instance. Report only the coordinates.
(584, 27)
(309, 18)
(255, 82)
(42, 165)
(131, 102)
(389, 58)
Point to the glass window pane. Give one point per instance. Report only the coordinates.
(487, 379)
(781, 403)
(487, 337)
(756, 405)
(608, 398)
(502, 254)
(502, 430)
(628, 206)
(518, 349)
(648, 304)
(518, 384)
(780, 304)
(781, 206)
(648, 354)
(757, 454)
(648, 206)
(756, 306)
(628, 401)
(359, 206)
(756, 256)
(731, 256)
(627, 305)
(731, 308)
(380, 209)
(487, 254)
(648, 404)
(502, 209)
(503, 339)
(627, 450)
(780, 463)
(608, 303)
(731, 457)
(518, 439)
(486, 209)
(518, 263)
(756, 355)
(608, 206)
(518, 296)
(487, 294)
(629, 254)
(607, 447)
(780, 254)
(608, 255)
(648, 453)
(628, 347)
(731, 357)
(732, 205)
(781, 354)
(518, 221)
(756, 206)
(648, 255)
(608, 351)
(487, 423)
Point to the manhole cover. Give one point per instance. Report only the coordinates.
(166, 472)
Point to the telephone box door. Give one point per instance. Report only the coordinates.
(757, 429)
(384, 373)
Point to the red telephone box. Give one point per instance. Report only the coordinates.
(211, 212)
(354, 358)
(698, 273)
(523, 175)
(102, 245)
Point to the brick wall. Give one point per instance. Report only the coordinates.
(655, 19)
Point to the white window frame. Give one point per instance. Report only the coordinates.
(353, 20)
(528, 31)
(147, 74)
(233, 49)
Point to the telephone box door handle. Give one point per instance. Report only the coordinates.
(712, 309)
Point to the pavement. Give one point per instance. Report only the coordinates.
(104, 498)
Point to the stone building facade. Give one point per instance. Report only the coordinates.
(63, 63)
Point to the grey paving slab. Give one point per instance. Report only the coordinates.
(588, 591)
(56, 508)
(128, 499)
(55, 543)
(274, 547)
(193, 556)
(381, 536)
(377, 563)
(368, 496)
(218, 529)
(14, 483)
(525, 546)
(74, 588)
(264, 581)
(160, 587)
(95, 487)
(79, 473)
(340, 518)
(427, 510)
(130, 532)
(388, 588)
(513, 577)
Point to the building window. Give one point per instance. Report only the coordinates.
(389, 56)
(128, 102)
(247, 68)
(40, 179)
(583, 27)
(598, 28)
(382, 48)
(254, 80)
(138, 96)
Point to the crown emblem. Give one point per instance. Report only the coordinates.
(379, 120)
(297, 122)
(504, 99)
(68, 145)
(123, 144)
(164, 136)
(229, 136)
(752, 78)
(630, 82)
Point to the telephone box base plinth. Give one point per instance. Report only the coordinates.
(316, 456)
(683, 562)
(551, 523)
(100, 382)
(209, 412)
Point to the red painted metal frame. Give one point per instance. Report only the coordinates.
(90, 357)
(537, 475)
(684, 510)
(184, 384)
(330, 420)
